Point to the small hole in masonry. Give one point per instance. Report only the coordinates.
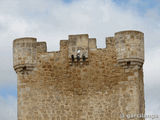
(24, 68)
(128, 63)
(72, 57)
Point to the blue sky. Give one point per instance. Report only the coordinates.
(143, 5)
(53, 20)
(140, 5)
(7, 91)
(67, 1)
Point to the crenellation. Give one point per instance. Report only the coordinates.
(41, 47)
(78, 45)
(63, 45)
(93, 84)
(110, 42)
(92, 44)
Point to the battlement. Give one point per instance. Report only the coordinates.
(129, 46)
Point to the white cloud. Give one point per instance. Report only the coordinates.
(8, 108)
(152, 81)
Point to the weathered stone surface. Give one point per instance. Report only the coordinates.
(99, 88)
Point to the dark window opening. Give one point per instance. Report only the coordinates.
(24, 68)
(128, 63)
(78, 57)
(83, 57)
(72, 56)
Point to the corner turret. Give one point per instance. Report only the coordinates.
(25, 52)
(129, 46)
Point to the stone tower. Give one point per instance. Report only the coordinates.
(81, 81)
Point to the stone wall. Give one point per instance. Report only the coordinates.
(97, 89)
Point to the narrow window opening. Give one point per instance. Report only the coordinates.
(84, 58)
(72, 57)
(78, 57)
(128, 63)
(24, 68)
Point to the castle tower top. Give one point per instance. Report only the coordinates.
(80, 82)
(25, 52)
(129, 46)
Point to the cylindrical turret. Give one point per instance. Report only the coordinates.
(24, 54)
(130, 48)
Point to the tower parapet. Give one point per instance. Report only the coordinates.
(78, 44)
(41, 47)
(92, 44)
(25, 52)
(129, 46)
(78, 48)
(110, 41)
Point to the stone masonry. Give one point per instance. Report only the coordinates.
(81, 81)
